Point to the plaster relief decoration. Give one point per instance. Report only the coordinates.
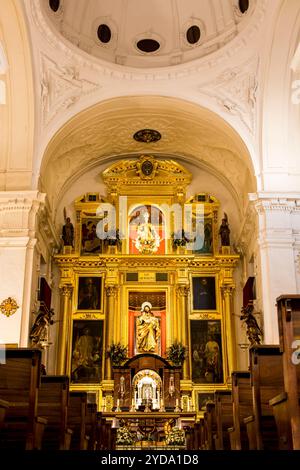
(61, 87)
(8, 307)
(235, 91)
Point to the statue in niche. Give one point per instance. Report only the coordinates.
(224, 231)
(147, 329)
(147, 240)
(68, 233)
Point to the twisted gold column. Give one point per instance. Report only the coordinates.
(63, 342)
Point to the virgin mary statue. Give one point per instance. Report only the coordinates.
(147, 329)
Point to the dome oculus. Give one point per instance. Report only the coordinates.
(54, 5)
(193, 34)
(148, 45)
(104, 33)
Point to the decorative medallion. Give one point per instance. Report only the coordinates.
(147, 167)
(8, 307)
(147, 135)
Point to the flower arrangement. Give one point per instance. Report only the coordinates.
(117, 353)
(176, 437)
(176, 353)
(124, 436)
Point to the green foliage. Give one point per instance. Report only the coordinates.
(176, 353)
(117, 353)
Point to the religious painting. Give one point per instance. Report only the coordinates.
(204, 293)
(206, 351)
(147, 322)
(203, 399)
(146, 230)
(90, 242)
(89, 293)
(203, 243)
(87, 347)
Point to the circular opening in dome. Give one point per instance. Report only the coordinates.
(193, 34)
(148, 45)
(104, 33)
(243, 5)
(54, 5)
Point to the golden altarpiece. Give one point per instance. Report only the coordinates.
(134, 278)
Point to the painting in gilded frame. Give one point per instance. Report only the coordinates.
(87, 349)
(89, 293)
(206, 351)
(204, 293)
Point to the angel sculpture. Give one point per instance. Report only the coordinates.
(254, 332)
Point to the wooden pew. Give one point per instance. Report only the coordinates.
(224, 419)
(241, 408)
(266, 381)
(91, 425)
(53, 405)
(286, 407)
(3, 407)
(19, 384)
(77, 412)
(211, 426)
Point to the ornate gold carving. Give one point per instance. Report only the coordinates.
(182, 291)
(127, 175)
(9, 306)
(111, 291)
(66, 291)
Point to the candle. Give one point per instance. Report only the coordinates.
(118, 403)
(177, 402)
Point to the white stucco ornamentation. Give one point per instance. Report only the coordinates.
(61, 87)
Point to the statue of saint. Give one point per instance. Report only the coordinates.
(147, 240)
(224, 231)
(39, 333)
(147, 329)
(254, 333)
(68, 233)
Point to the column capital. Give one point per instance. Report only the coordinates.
(66, 290)
(112, 290)
(227, 290)
(182, 290)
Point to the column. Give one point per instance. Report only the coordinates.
(111, 327)
(227, 295)
(182, 294)
(278, 245)
(19, 212)
(64, 330)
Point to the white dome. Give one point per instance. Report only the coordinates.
(178, 30)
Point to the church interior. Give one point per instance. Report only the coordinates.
(150, 225)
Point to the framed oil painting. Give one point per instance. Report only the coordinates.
(89, 293)
(204, 293)
(206, 350)
(87, 348)
(90, 243)
(204, 398)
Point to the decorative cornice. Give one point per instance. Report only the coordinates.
(264, 202)
(167, 262)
